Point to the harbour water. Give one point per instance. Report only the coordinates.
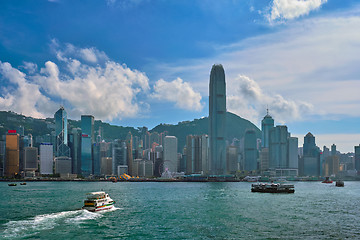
(180, 210)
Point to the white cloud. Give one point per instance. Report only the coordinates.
(290, 9)
(250, 101)
(179, 92)
(25, 97)
(106, 92)
(68, 51)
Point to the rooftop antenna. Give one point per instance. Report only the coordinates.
(267, 109)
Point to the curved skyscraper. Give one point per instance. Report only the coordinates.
(217, 120)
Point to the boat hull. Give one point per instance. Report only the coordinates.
(98, 209)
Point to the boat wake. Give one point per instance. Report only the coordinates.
(31, 227)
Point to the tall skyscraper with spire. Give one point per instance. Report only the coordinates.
(217, 120)
(266, 124)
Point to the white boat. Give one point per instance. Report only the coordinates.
(98, 201)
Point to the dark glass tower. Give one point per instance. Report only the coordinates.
(61, 144)
(217, 120)
(87, 140)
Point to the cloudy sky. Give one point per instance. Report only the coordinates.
(141, 62)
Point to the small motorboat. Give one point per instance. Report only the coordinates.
(327, 180)
(12, 184)
(23, 183)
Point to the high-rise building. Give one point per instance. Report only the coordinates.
(129, 154)
(357, 158)
(46, 158)
(119, 155)
(278, 147)
(30, 159)
(217, 120)
(250, 151)
(309, 164)
(170, 153)
(232, 159)
(61, 134)
(266, 124)
(12, 154)
(75, 150)
(87, 140)
(293, 152)
(197, 154)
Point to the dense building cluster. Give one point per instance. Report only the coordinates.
(75, 152)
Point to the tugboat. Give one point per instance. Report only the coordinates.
(339, 183)
(327, 180)
(272, 188)
(98, 201)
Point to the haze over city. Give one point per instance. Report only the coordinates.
(142, 63)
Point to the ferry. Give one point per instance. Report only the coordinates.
(272, 188)
(98, 201)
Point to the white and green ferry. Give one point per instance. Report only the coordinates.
(98, 201)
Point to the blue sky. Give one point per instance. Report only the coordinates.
(141, 62)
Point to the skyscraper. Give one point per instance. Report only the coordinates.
(170, 153)
(46, 158)
(61, 134)
(266, 124)
(250, 151)
(309, 164)
(217, 120)
(12, 154)
(278, 147)
(87, 139)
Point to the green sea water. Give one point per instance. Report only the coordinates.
(155, 210)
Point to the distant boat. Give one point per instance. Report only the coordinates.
(272, 188)
(327, 180)
(12, 184)
(23, 183)
(339, 183)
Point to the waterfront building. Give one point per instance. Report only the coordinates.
(74, 142)
(12, 154)
(217, 121)
(87, 140)
(96, 158)
(30, 159)
(331, 165)
(46, 158)
(119, 155)
(232, 159)
(293, 153)
(106, 166)
(197, 152)
(170, 153)
(61, 133)
(62, 165)
(309, 164)
(278, 147)
(357, 158)
(122, 169)
(250, 150)
(129, 153)
(266, 124)
(264, 159)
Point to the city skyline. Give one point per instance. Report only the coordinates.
(153, 68)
